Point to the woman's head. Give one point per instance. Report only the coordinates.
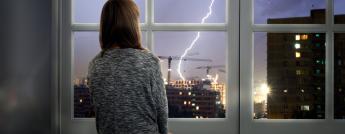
(119, 26)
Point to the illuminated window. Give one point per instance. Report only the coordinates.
(317, 35)
(304, 37)
(298, 54)
(305, 108)
(297, 46)
(298, 37)
(318, 61)
(318, 88)
(285, 91)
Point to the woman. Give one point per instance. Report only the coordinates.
(125, 79)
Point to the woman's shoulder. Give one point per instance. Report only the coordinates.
(149, 54)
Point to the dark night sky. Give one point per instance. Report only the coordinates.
(211, 45)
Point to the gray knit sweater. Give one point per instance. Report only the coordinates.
(128, 92)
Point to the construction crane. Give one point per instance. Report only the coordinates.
(208, 68)
(170, 58)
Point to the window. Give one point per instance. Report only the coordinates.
(298, 37)
(297, 46)
(309, 96)
(305, 107)
(304, 37)
(298, 54)
(278, 38)
(194, 42)
(192, 56)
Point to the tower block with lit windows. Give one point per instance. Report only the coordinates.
(296, 71)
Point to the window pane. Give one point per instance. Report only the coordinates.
(89, 11)
(289, 75)
(339, 76)
(189, 11)
(199, 92)
(339, 11)
(86, 47)
(289, 11)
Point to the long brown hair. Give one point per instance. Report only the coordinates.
(119, 25)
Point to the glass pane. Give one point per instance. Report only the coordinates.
(89, 11)
(86, 47)
(189, 11)
(199, 90)
(289, 11)
(339, 76)
(339, 11)
(289, 76)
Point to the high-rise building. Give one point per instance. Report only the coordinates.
(296, 70)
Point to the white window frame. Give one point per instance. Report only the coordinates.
(64, 70)
(248, 125)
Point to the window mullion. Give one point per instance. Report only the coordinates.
(149, 21)
(329, 89)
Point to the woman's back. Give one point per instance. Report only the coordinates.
(128, 92)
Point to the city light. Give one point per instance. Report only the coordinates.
(298, 55)
(265, 89)
(304, 37)
(261, 93)
(297, 46)
(81, 100)
(305, 108)
(298, 37)
(197, 108)
(194, 41)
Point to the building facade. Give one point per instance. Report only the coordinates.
(194, 101)
(296, 71)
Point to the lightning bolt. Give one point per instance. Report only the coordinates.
(194, 41)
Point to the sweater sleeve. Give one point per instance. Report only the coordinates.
(161, 99)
